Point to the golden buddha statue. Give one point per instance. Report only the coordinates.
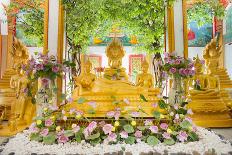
(115, 53)
(145, 79)
(207, 105)
(212, 55)
(100, 90)
(85, 81)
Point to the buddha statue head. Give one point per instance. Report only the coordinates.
(145, 66)
(198, 66)
(212, 47)
(87, 66)
(115, 53)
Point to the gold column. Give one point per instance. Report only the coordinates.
(170, 25)
(185, 28)
(46, 19)
(60, 47)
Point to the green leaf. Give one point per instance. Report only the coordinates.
(78, 137)
(156, 114)
(128, 128)
(169, 141)
(94, 136)
(95, 141)
(36, 137)
(152, 140)
(68, 133)
(130, 140)
(162, 104)
(142, 128)
(50, 139)
(182, 111)
(143, 98)
(185, 124)
(193, 136)
(81, 100)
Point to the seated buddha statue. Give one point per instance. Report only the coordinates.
(207, 84)
(85, 81)
(145, 79)
(209, 109)
(115, 53)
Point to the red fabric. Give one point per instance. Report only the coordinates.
(191, 35)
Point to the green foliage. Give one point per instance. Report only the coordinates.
(169, 141)
(130, 140)
(156, 114)
(50, 139)
(162, 104)
(94, 136)
(203, 12)
(68, 133)
(128, 128)
(36, 137)
(185, 124)
(152, 140)
(193, 136)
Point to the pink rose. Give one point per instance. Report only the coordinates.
(55, 69)
(92, 126)
(44, 132)
(172, 70)
(117, 115)
(166, 135)
(48, 122)
(45, 82)
(39, 67)
(112, 137)
(124, 134)
(107, 128)
(154, 129)
(164, 126)
(182, 136)
(138, 134)
(62, 139)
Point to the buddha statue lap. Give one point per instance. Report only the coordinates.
(207, 104)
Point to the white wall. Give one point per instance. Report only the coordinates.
(228, 59)
(193, 51)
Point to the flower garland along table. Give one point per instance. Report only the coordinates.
(209, 142)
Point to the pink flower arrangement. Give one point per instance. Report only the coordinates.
(164, 126)
(112, 137)
(62, 139)
(44, 132)
(55, 69)
(166, 135)
(138, 134)
(154, 129)
(124, 134)
(48, 122)
(182, 136)
(107, 128)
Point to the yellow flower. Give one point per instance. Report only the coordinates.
(181, 116)
(58, 128)
(161, 116)
(190, 128)
(113, 129)
(133, 123)
(52, 117)
(169, 131)
(116, 123)
(78, 116)
(38, 122)
(45, 109)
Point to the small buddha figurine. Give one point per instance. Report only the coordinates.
(14, 79)
(145, 79)
(22, 98)
(212, 54)
(85, 81)
(115, 53)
